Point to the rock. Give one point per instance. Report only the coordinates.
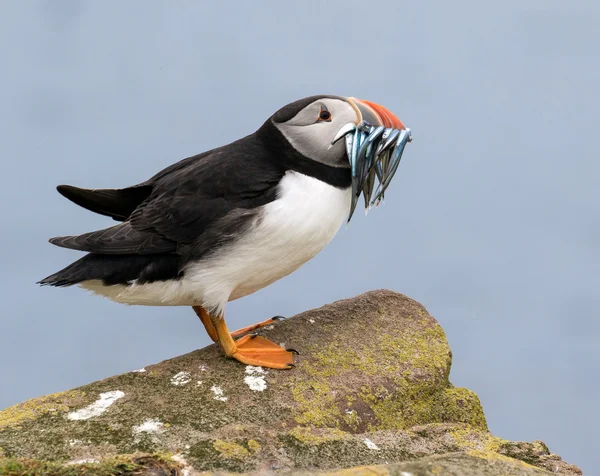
(370, 388)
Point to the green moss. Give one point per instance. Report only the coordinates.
(36, 407)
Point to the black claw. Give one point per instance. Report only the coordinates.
(252, 336)
(291, 366)
(293, 351)
(276, 318)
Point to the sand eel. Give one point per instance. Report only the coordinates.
(225, 223)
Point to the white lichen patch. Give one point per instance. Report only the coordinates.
(405, 473)
(251, 370)
(198, 383)
(151, 426)
(255, 378)
(218, 391)
(312, 321)
(181, 378)
(203, 368)
(269, 327)
(139, 371)
(98, 407)
(370, 444)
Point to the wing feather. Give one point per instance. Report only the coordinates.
(170, 212)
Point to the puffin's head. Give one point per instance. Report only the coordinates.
(373, 145)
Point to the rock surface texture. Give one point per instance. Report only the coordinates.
(370, 395)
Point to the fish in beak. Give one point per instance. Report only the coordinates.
(374, 145)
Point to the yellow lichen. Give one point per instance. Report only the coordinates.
(316, 404)
(493, 456)
(254, 445)
(36, 407)
(309, 436)
(417, 362)
(468, 438)
(416, 404)
(361, 471)
(229, 449)
(351, 418)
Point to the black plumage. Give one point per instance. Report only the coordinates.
(115, 203)
(187, 209)
(113, 269)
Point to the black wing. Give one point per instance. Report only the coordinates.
(115, 203)
(119, 204)
(199, 194)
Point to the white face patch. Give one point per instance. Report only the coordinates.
(218, 392)
(98, 407)
(255, 378)
(181, 378)
(312, 138)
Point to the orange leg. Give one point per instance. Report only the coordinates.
(249, 350)
(210, 329)
(208, 325)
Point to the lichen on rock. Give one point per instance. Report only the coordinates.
(371, 386)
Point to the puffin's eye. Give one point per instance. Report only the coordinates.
(324, 115)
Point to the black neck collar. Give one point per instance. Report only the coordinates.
(285, 155)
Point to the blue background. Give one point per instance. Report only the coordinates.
(492, 221)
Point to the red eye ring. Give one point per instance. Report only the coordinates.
(324, 115)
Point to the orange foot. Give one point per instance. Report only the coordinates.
(210, 328)
(250, 349)
(256, 350)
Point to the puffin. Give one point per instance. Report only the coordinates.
(228, 222)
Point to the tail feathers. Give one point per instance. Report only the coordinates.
(121, 239)
(115, 203)
(116, 269)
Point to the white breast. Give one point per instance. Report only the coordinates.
(287, 233)
(290, 231)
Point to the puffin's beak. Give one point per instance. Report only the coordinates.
(376, 114)
(374, 145)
